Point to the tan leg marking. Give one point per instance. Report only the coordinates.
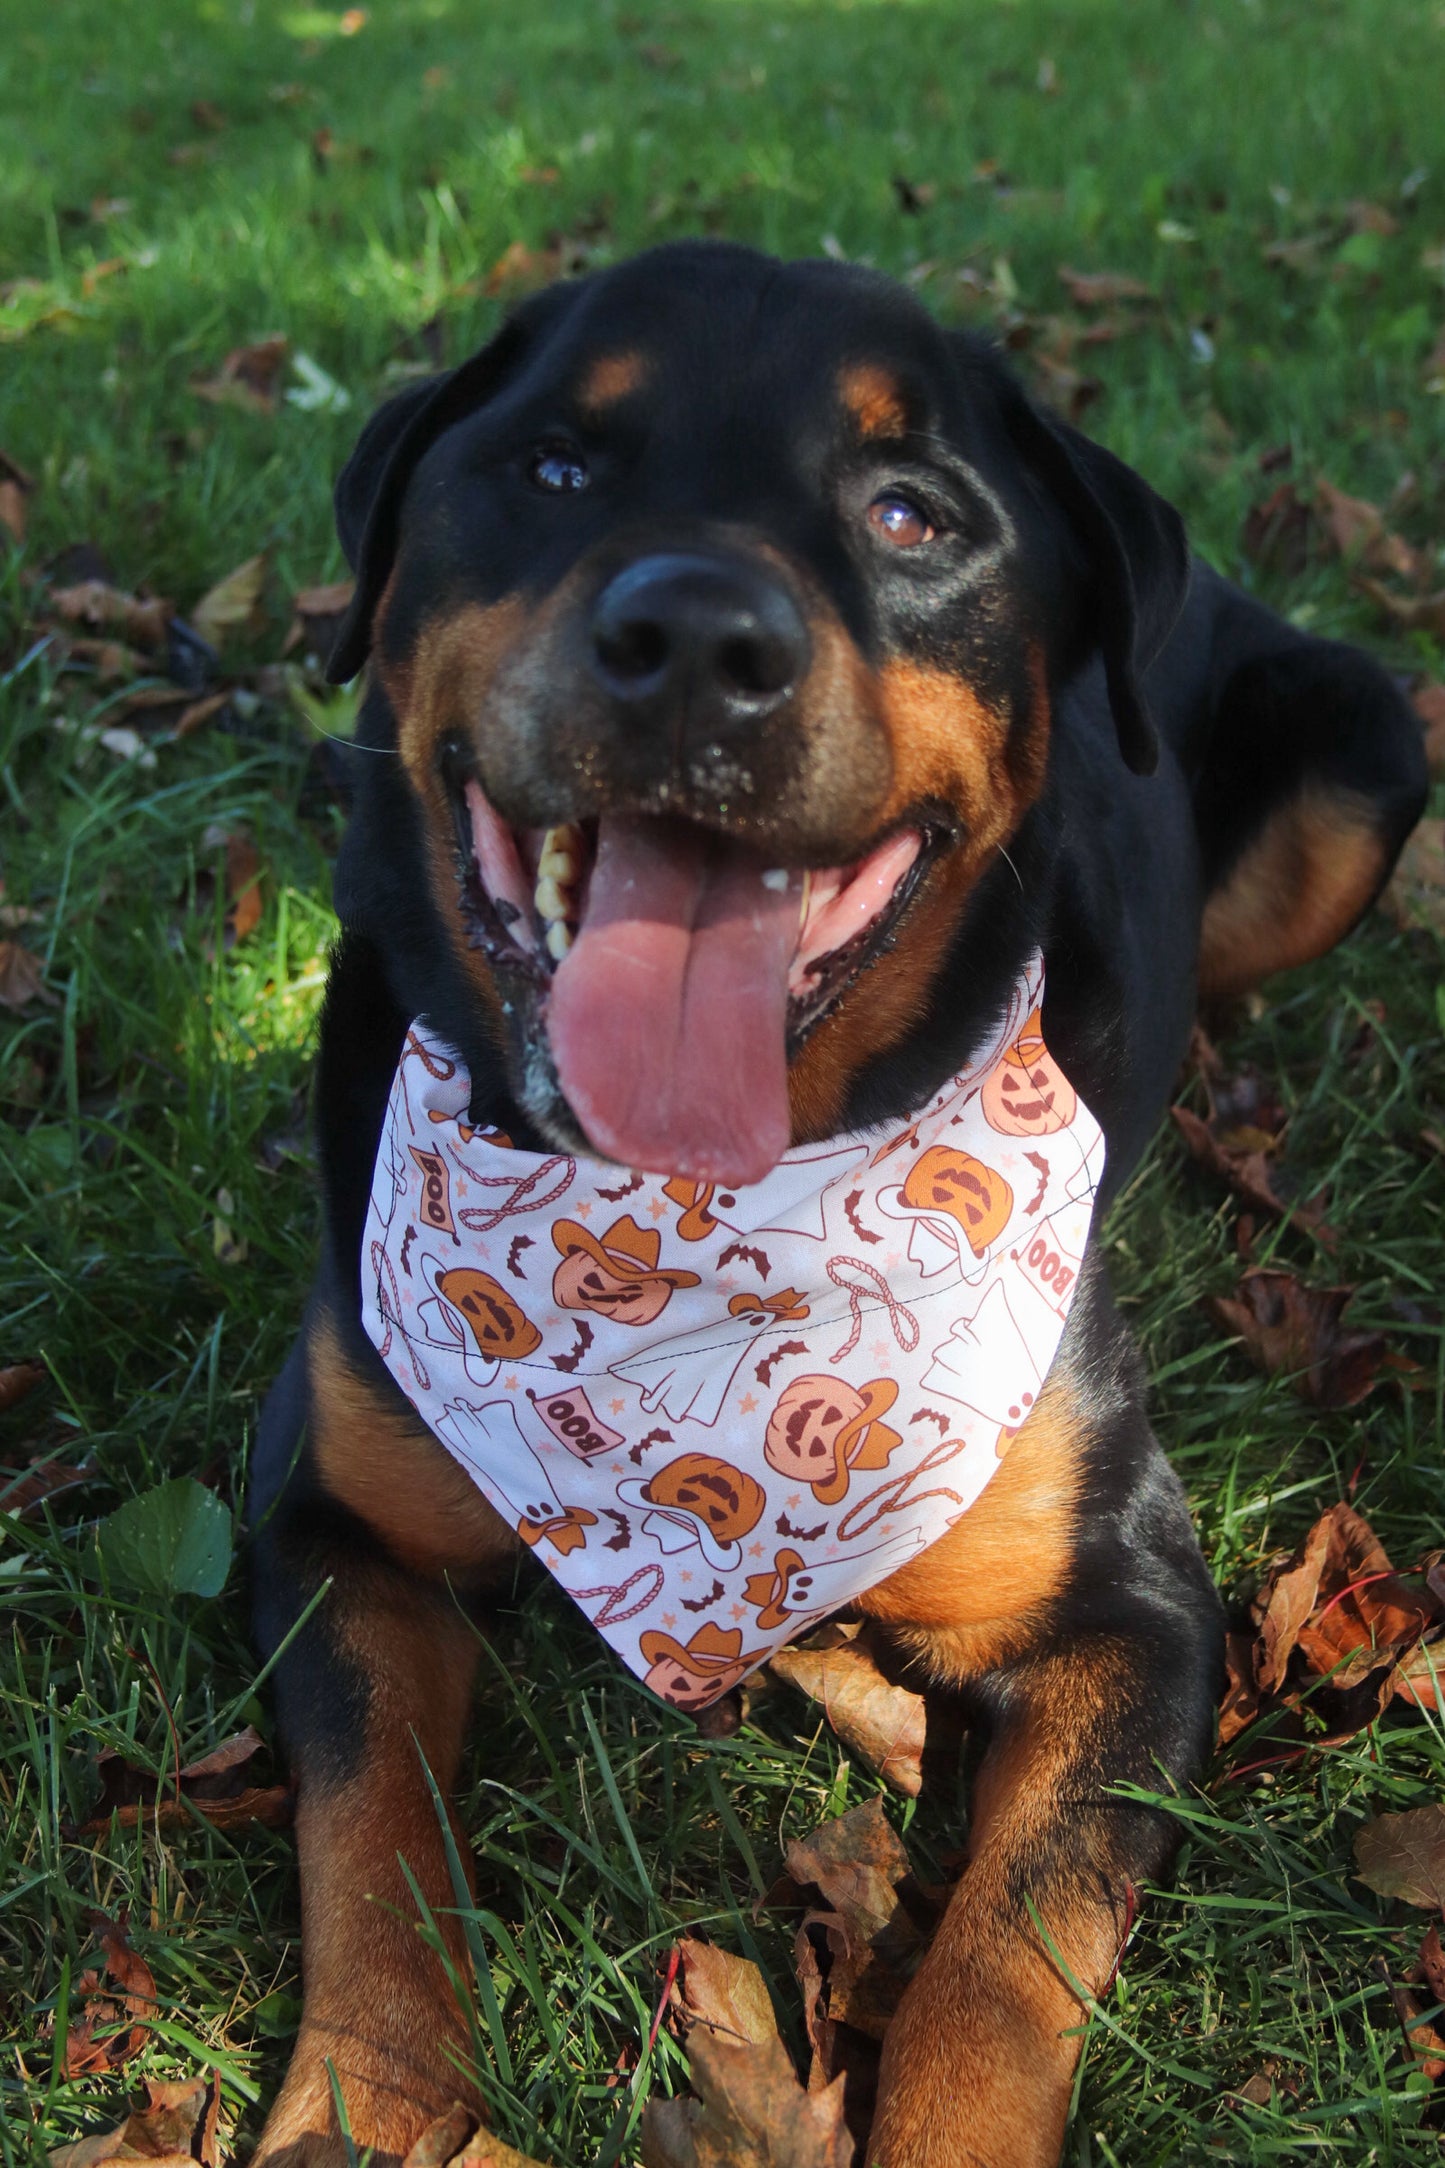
(378, 1458)
(378, 2003)
(1296, 891)
(978, 2064)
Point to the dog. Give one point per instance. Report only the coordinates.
(797, 776)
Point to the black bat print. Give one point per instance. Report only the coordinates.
(741, 1250)
(622, 1541)
(519, 1243)
(578, 1349)
(763, 1371)
(799, 1535)
(704, 1602)
(931, 1415)
(850, 1206)
(615, 1196)
(406, 1242)
(654, 1437)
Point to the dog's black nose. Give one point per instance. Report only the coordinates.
(711, 644)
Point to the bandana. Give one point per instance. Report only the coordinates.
(717, 1415)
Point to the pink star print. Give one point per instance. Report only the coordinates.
(795, 1501)
(669, 1618)
(880, 1351)
(747, 1403)
(511, 1384)
(736, 1611)
(755, 1550)
(657, 1208)
(684, 1577)
(583, 1209)
(726, 1282)
(617, 1406)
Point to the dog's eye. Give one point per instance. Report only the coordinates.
(899, 521)
(557, 467)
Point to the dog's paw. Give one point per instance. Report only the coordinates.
(390, 2099)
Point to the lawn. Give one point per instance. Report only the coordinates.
(185, 180)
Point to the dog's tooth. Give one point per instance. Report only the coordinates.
(561, 851)
(776, 878)
(559, 940)
(550, 901)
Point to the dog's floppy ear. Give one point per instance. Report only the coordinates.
(1134, 553)
(373, 482)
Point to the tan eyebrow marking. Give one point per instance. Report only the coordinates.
(612, 377)
(874, 398)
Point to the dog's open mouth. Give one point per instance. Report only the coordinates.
(676, 968)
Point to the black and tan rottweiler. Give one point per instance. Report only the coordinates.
(710, 561)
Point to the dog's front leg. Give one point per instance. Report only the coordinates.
(1106, 1678)
(373, 1692)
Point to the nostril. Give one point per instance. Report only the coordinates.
(632, 648)
(756, 664)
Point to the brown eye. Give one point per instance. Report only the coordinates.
(900, 522)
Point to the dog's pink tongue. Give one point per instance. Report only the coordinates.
(667, 1015)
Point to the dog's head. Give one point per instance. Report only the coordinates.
(716, 610)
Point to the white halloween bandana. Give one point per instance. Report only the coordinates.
(716, 1415)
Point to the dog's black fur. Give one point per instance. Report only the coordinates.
(1205, 765)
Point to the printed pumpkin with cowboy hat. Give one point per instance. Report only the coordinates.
(1026, 1093)
(823, 1428)
(617, 1276)
(713, 1660)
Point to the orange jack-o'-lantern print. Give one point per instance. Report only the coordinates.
(1026, 1094)
(713, 1660)
(618, 1276)
(822, 1429)
(711, 1490)
(955, 1183)
(500, 1328)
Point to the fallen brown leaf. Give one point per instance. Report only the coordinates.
(318, 612)
(1103, 289)
(882, 1722)
(18, 1381)
(1403, 1856)
(21, 979)
(232, 604)
(1412, 613)
(752, 2113)
(104, 2008)
(217, 1786)
(43, 1479)
(1246, 1170)
(727, 1993)
(1278, 532)
(176, 2125)
(1367, 217)
(1356, 531)
(1415, 894)
(139, 619)
(1290, 1329)
(1339, 1631)
(249, 377)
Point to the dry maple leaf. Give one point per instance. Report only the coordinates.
(882, 1722)
(522, 270)
(1403, 1856)
(176, 2125)
(1356, 531)
(1246, 1171)
(249, 377)
(139, 619)
(215, 1786)
(232, 604)
(104, 2008)
(1288, 1328)
(752, 2113)
(21, 979)
(726, 1993)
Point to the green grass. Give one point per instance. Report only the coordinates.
(1177, 140)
